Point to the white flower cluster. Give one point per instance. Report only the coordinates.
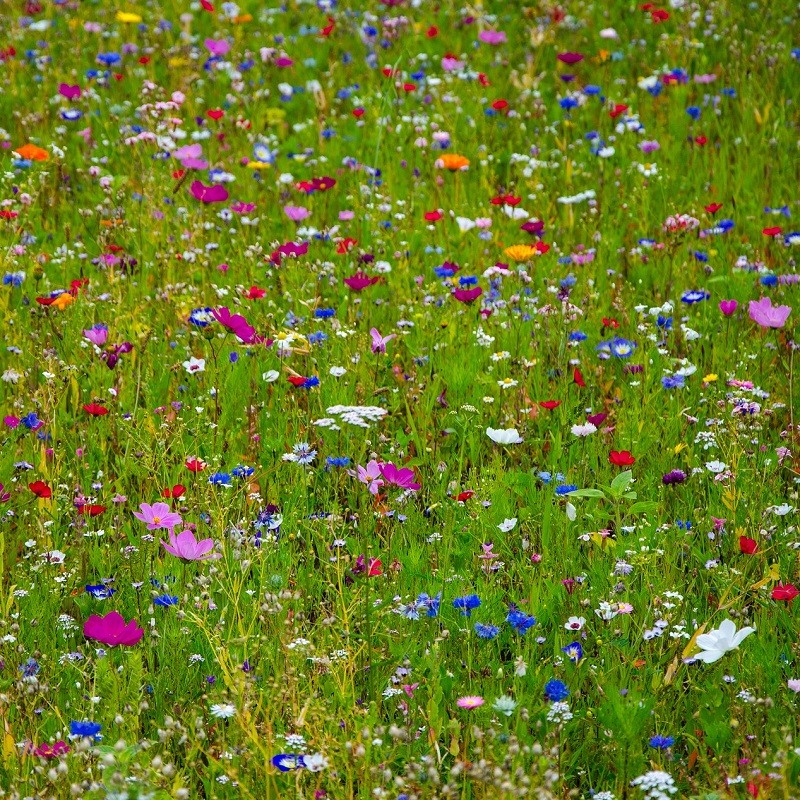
(656, 785)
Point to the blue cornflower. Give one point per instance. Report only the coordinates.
(662, 742)
(467, 280)
(574, 652)
(486, 631)
(317, 337)
(430, 604)
(109, 59)
(220, 479)
(31, 421)
(201, 317)
(694, 112)
(591, 89)
(673, 381)
(621, 348)
(310, 383)
(30, 668)
(337, 461)
(92, 729)
(578, 336)
(13, 278)
(325, 313)
(166, 600)
(700, 256)
(241, 471)
(286, 762)
(664, 322)
(568, 103)
(466, 604)
(555, 691)
(99, 591)
(769, 280)
(694, 296)
(566, 489)
(519, 621)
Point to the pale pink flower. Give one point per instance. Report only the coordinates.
(185, 546)
(157, 516)
(766, 315)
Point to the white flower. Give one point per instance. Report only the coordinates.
(609, 33)
(271, 375)
(507, 383)
(716, 643)
(648, 170)
(337, 372)
(223, 710)
(584, 430)
(575, 623)
(781, 510)
(504, 705)
(465, 224)
(194, 365)
(11, 376)
(716, 466)
(508, 525)
(504, 436)
(315, 762)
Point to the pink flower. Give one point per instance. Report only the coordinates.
(371, 475)
(470, 701)
(97, 334)
(492, 37)
(112, 630)
(569, 58)
(209, 194)
(217, 47)
(766, 315)
(467, 295)
(296, 213)
(402, 477)
(185, 546)
(237, 325)
(379, 342)
(359, 281)
(68, 91)
(157, 516)
(728, 307)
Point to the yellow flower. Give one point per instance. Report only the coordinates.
(177, 61)
(258, 165)
(520, 252)
(710, 378)
(127, 16)
(679, 447)
(62, 301)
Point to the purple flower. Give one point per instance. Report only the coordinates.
(766, 315)
(728, 307)
(674, 476)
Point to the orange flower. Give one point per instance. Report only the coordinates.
(453, 162)
(62, 301)
(520, 252)
(33, 153)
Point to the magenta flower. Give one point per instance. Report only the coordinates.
(728, 307)
(112, 630)
(157, 516)
(379, 342)
(569, 58)
(69, 91)
(766, 315)
(185, 546)
(467, 295)
(237, 325)
(371, 476)
(402, 477)
(97, 334)
(359, 281)
(217, 47)
(209, 194)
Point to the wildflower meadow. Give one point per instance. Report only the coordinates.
(398, 400)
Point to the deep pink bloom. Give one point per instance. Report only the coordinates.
(217, 47)
(157, 516)
(60, 748)
(185, 546)
(569, 58)
(360, 280)
(402, 477)
(492, 37)
(112, 630)
(237, 325)
(296, 213)
(728, 307)
(68, 91)
(766, 315)
(209, 194)
(467, 295)
(379, 342)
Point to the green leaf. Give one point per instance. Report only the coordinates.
(620, 483)
(643, 507)
(587, 493)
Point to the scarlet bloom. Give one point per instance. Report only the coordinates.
(254, 293)
(578, 378)
(433, 216)
(95, 409)
(621, 458)
(112, 630)
(41, 489)
(178, 490)
(550, 404)
(500, 105)
(432, 32)
(465, 496)
(617, 110)
(195, 464)
(712, 208)
(785, 591)
(610, 322)
(346, 245)
(747, 545)
(775, 230)
(358, 113)
(91, 510)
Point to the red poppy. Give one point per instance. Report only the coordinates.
(773, 231)
(550, 404)
(578, 378)
(610, 322)
(409, 87)
(500, 105)
(659, 15)
(91, 510)
(254, 293)
(328, 29)
(433, 216)
(541, 248)
(178, 490)
(621, 458)
(215, 113)
(617, 110)
(432, 32)
(178, 174)
(700, 140)
(464, 496)
(506, 200)
(41, 489)
(95, 409)
(195, 464)
(346, 245)
(747, 545)
(712, 208)
(483, 80)
(144, 60)
(207, 6)
(5, 214)
(389, 72)
(785, 591)
(297, 380)
(375, 565)
(358, 113)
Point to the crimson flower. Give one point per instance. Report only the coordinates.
(785, 591)
(95, 409)
(41, 489)
(621, 458)
(747, 545)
